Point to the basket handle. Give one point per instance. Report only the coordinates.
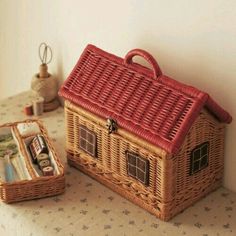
(148, 57)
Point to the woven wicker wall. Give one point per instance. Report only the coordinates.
(171, 188)
(111, 151)
(186, 187)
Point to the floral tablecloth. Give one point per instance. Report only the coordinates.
(89, 208)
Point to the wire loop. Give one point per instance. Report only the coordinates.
(43, 55)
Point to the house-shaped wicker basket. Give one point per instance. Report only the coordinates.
(155, 141)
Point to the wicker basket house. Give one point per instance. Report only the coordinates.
(155, 141)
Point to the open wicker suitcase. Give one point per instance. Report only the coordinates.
(155, 141)
(34, 186)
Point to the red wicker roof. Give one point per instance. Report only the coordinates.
(142, 101)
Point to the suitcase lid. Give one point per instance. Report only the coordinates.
(141, 100)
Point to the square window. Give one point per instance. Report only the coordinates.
(90, 138)
(141, 176)
(204, 161)
(82, 143)
(132, 159)
(132, 170)
(82, 132)
(197, 154)
(90, 149)
(87, 140)
(138, 167)
(196, 166)
(199, 158)
(141, 164)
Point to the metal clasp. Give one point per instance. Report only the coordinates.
(111, 125)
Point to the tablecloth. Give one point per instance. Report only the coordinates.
(89, 208)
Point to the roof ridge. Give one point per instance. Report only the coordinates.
(164, 79)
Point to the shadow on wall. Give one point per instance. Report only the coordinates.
(60, 74)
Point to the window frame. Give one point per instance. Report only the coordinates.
(202, 155)
(138, 159)
(88, 143)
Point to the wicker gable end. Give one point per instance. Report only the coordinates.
(156, 141)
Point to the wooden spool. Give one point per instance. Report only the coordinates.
(44, 84)
(43, 71)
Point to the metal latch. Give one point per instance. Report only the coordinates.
(111, 125)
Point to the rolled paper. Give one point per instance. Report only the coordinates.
(18, 168)
(38, 106)
(47, 171)
(28, 109)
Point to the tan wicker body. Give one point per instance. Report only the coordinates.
(171, 189)
(154, 140)
(38, 187)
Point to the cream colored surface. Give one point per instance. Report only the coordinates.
(88, 208)
(194, 42)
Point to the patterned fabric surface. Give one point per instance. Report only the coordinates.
(89, 208)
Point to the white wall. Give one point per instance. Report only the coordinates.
(193, 40)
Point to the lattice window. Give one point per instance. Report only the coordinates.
(138, 167)
(87, 140)
(199, 158)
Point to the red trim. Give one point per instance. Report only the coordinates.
(218, 111)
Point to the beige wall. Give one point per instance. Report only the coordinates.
(194, 42)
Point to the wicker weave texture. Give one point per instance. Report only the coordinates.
(186, 187)
(37, 187)
(111, 154)
(171, 189)
(144, 102)
(158, 119)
